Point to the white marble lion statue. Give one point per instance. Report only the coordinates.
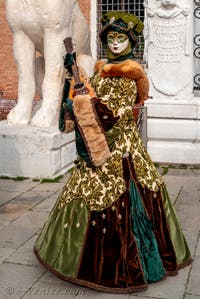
(40, 27)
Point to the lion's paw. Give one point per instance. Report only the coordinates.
(45, 117)
(19, 115)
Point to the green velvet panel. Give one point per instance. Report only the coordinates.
(178, 240)
(60, 242)
(143, 232)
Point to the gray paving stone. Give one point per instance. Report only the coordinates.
(6, 196)
(4, 253)
(17, 279)
(190, 193)
(188, 208)
(51, 287)
(138, 296)
(188, 172)
(47, 205)
(198, 248)
(194, 280)
(170, 288)
(48, 293)
(19, 186)
(49, 187)
(12, 211)
(173, 189)
(191, 240)
(182, 179)
(65, 178)
(32, 197)
(13, 236)
(3, 223)
(191, 297)
(24, 255)
(50, 283)
(101, 295)
(32, 219)
(188, 185)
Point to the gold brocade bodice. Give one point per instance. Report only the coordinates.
(101, 186)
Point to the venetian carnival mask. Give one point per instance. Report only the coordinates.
(117, 42)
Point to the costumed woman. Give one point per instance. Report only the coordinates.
(113, 227)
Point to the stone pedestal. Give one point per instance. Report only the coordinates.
(35, 152)
(174, 131)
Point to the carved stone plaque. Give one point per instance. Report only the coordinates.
(168, 38)
(167, 54)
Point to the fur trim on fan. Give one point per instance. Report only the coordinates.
(91, 129)
(129, 69)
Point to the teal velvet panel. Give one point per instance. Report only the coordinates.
(145, 238)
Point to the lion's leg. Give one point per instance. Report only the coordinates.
(24, 53)
(53, 79)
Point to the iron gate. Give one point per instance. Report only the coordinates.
(197, 47)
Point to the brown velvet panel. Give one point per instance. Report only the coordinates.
(155, 210)
(105, 115)
(110, 256)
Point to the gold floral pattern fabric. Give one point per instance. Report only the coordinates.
(101, 186)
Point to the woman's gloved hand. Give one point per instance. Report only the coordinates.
(69, 61)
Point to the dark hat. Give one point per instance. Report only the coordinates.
(122, 22)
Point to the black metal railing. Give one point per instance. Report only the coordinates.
(197, 47)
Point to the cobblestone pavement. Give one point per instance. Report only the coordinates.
(25, 205)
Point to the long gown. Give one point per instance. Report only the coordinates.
(113, 227)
